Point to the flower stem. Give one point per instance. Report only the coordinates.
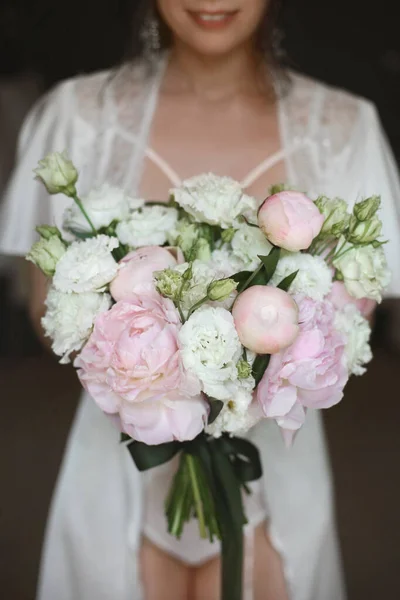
(250, 279)
(83, 211)
(191, 463)
(197, 305)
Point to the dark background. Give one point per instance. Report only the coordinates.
(349, 44)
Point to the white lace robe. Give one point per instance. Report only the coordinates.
(334, 145)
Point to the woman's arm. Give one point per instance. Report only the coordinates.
(38, 288)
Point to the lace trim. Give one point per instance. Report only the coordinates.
(318, 121)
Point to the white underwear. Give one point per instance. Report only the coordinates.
(191, 549)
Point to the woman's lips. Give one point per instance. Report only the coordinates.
(213, 20)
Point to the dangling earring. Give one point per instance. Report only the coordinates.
(277, 44)
(151, 35)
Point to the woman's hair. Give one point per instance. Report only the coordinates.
(139, 11)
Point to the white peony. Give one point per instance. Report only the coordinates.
(103, 206)
(357, 330)
(69, 319)
(214, 200)
(237, 416)
(210, 348)
(225, 263)
(248, 243)
(149, 226)
(314, 277)
(87, 266)
(363, 269)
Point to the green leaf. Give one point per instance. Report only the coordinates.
(215, 408)
(247, 279)
(125, 438)
(270, 262)
(259, 366)
(287, 282)
(81, 235)
(147, 457)
(241, 276)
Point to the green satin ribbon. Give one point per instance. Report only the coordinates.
(225, 465)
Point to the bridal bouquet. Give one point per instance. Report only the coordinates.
(191, 321)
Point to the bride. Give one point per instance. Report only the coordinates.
(202, 92)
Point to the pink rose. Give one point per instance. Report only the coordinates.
(266, 319)
(311, 373)
(136, 274)
(340, 297)
(290, 220)
(131, 367)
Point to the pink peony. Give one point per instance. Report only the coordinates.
(340, 297)
(311, 373)
(137, 268)
(266, 319)
(290, 220)
(131, 367)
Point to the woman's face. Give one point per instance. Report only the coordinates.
(213, 27)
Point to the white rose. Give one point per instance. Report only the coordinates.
(58, 173)
(148, 227)
(213, 200)
(364, 270)
(248, 243)
(103, 206)
(87, 266)
(210, 348)
(314, 277)
(69, 319)
(238, 415)
(357, 330)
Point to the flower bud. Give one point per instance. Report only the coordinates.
(46, 253)
(365, 210)
(202, 250)
(58, 174)
(220, 290)
(227, 235)
(364, 232)
(47, 231)
(336, 217)
(169, 283)
(243, 369)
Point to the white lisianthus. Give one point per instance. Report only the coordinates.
(210, 348)
(363, 269)
(248, 243)
(103, 205)
(69, 319)
(213, 200)
(238, 415)
(46, 253)
(148, 226)
(357, 330)
(58, 173)
(225, 263)
(87, 266)
(314, 277)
